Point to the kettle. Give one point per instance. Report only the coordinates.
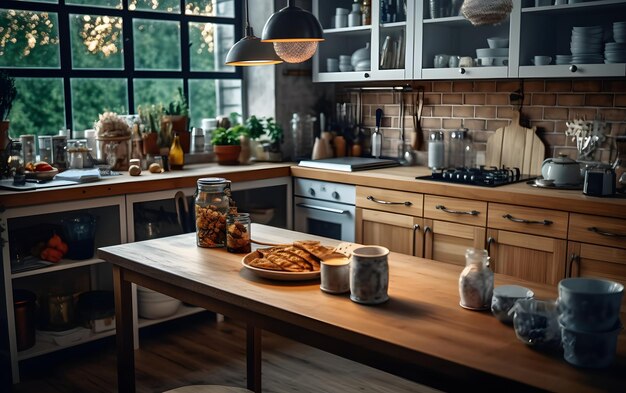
(563, 170)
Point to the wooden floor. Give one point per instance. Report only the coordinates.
(199, 350)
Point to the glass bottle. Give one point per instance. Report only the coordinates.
(45, 148)
(436, 150)
(28, 147)
(15, 163)
(476, 280)
(212, 200)
(176, 156)
(238, 233)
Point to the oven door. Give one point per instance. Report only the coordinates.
(323, 218)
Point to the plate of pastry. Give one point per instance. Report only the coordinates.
(290, 262)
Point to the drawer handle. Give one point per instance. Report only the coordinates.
(525, 221)
(371, 198)
(470, 213)
(322, 208)
(603, 233)
(573, 259)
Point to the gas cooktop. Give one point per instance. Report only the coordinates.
(483, 176)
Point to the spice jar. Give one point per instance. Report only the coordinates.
(456, 149)
(436, 150)
(476, 280)
(212, 200)
(238, 233)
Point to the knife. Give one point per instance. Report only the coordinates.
(377, 138)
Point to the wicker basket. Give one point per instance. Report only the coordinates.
(486, 12)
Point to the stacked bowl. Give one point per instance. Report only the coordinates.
(589, 319)
(155, 305)
(615, 52)
(563, 59)
(586, 44)
(496, 55)
(619, 32)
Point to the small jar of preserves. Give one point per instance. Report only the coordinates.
(212, 200)
(238, 233)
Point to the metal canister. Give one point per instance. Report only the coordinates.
(212, 201)
(25, 310)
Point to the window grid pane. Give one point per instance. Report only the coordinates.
(156, 45)
(32, 115)
(29, 39)
(91, 97)
(96, 41)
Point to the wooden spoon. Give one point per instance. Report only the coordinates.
(418, 138)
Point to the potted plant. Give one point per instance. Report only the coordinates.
(152, 128)
(275, 135)
(226, 145)
(177, 113)
(7, 95)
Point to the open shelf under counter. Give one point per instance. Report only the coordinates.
(182, 311)
(44, 347)
(61, 265)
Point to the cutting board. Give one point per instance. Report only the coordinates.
(515, 146)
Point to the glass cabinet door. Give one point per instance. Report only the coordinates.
(448, 46)
(391, 36)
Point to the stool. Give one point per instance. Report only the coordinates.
(208, 389)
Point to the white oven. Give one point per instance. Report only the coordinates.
(324, 208)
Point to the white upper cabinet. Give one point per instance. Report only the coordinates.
(386, 40)
(430, 39)
(580, 30)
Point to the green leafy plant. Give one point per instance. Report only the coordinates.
(223, 136)
(8, 92)
(254, 127)
(179, 106)
(274, 133)
(151, 117)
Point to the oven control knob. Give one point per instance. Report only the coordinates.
(335, 195)
(311, 191)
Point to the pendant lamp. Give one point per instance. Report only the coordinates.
(294, 32)
(250, 50)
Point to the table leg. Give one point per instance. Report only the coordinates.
(124, 332)
(253, 357)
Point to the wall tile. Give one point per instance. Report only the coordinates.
(442, 111)
(497, 99)
(463, 111)
(452, 98)
(532, 112)
(432, 99)
(507, 86)
(431, 123)
(612, 114)
(475, 99)
(583, 113)
(474, 124)
(544, 99)
(391, 110)
(558, 86)
(620, 99)
(532, 86)
(587, 86)
(571, 99)
(385, 98)
(451, 124)
(493, 125)
(488, 112)
(553, 139)
(505, 112)
(462, 86)
(555, 113)
(599, 99)
(370, 98)
(442, 86)
(543, 126)
(616, 86)
(484, 86)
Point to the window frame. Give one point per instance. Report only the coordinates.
(66, 73)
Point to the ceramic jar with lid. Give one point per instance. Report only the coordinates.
(212, 200)
(354, 17)
(436, 150)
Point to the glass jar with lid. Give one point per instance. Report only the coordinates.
(238, 233)
(436, 150)
(212, 200)
(476, 280)
(456, 149)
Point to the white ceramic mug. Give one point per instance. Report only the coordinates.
(541, 60)
(466, 61)
(335, 275)
(454, 61)
(369, 275)
(441, 61)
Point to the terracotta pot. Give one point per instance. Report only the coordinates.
(150, 145)
(227, 154)
(180, 125)
(4, 134)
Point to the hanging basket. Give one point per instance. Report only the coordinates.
(486, 12)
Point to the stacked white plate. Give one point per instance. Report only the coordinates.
(615, 52)
(586, 44)
(493, 56)
(563, 59)
(619, 32)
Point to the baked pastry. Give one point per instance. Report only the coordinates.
(302, 256)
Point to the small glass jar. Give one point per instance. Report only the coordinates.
(238, 233)
(28, 148)
(476, 280)
(212, 200)
(456, 149)
(45, 148)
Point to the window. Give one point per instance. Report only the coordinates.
(74, 59)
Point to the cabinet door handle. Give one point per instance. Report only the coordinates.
(427, 229)
(573, 68)
(416, 227)
(462, 70)
(443, 208)
(525, 221)
(604, 233)
(367, 75)
(489, 241)
(572, 259)
(371, 198)
(322, 208)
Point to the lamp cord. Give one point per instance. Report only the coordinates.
(249, 31)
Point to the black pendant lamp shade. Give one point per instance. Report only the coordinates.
(251, 51)
(294, 32)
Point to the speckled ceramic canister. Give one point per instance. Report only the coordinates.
(369, 275)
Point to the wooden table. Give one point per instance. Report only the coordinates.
(421, 333)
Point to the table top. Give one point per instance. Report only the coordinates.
(422, 325)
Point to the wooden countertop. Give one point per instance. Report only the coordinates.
(146, 182)
(422, 331)
(403, 179)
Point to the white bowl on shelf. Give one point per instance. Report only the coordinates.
(498, 42)
(492, 52)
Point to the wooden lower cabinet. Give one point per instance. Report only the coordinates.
(447, 241)
(590, 260)
(398, 232)
(529, 257)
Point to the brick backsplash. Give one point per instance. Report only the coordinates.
(484, 106)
